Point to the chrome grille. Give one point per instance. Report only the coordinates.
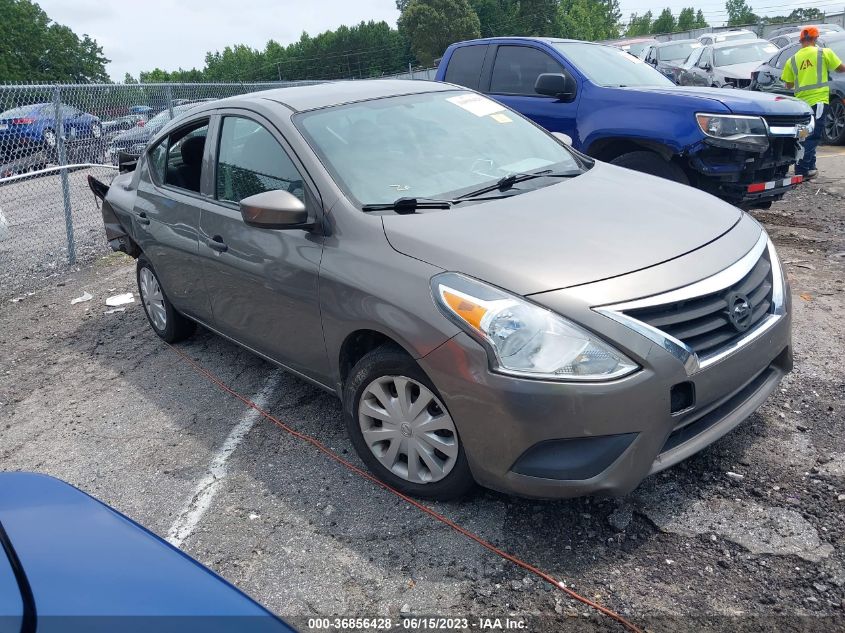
(704, 323)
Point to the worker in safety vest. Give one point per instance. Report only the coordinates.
(807, 73)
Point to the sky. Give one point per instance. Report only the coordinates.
(170, 34)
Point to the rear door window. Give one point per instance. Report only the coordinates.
(517, 67)
(250, 161)
(465, 65)
(184, 156)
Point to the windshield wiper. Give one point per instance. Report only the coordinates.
(409, 205)
(507, 182)
(404, 206)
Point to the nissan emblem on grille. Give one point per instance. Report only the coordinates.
(739, 311)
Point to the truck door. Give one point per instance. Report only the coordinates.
(515, 70)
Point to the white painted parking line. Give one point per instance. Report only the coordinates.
(200, 501)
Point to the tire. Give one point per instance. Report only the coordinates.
(48, 136)
(651, 163)
(834, 125)
(385, 367)
(163, 317)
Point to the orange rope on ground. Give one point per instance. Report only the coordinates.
(420, 506)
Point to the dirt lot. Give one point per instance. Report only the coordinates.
(747, 535)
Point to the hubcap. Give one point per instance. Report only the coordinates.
(408, 429)
(50, 138)
(96, 131)
(153, 298)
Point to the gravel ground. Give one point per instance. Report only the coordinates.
(33, 237)
(747, 535)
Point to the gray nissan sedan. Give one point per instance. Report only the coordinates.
(490, 305)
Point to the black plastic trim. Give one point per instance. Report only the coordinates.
(30, 614)
(572, 459)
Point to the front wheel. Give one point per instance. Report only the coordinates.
(163, 317)
(651, 163)
(401, 429)
(834, 124)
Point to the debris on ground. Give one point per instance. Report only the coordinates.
(81, 299)
(121, 299)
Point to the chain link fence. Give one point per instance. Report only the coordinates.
(53, 136)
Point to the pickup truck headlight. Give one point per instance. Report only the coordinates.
(735, 130)
(524, 339)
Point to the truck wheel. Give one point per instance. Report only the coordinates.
(401, 429)
(651, 163)
(834, 124)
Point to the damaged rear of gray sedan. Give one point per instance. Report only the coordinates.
(491, 306)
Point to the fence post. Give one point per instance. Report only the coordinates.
(168, 94)
(62, 160)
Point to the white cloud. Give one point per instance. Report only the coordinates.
(169, 34)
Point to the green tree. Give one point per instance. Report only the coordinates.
(739, 13)
(686, 19)
(537, 17)
(431, 25)
(496, 17)
(588, 19)
(34, 48)
(700, 22)
(639, 24)
(665, 22)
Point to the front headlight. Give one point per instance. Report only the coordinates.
(735, 130)
(523, 338)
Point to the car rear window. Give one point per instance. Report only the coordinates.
(464, 66)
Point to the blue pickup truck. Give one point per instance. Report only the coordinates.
(735, 144)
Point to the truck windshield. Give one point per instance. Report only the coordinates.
(608, 66)
(429, 145)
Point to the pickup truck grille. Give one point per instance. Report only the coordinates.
(703, 323)
(787, 120)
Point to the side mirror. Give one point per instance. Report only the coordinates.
(560, 85)
(563, 138)
(274, 210)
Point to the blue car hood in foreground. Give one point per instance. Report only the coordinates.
(92, 569)
(737, 101)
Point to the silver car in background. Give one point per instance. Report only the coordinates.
(490, 305)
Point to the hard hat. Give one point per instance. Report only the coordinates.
(809, 33)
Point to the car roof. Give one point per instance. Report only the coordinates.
(324, 95)
(735, 43)
(670, 42)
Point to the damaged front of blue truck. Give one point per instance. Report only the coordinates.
(735, 144)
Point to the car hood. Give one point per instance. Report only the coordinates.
(738, 71)
(737, 101)
(608, 222)
(84, 560)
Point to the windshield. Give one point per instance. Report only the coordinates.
(676, 52)
(744, 53)
(838, 47)
(161, 118)
(427, 145)
(735, 36)
(639, 47)
(608, 66)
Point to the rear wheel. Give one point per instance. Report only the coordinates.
(401, 429)
(651, 163)
(834, 124)
(49, 138)
(163, 317)
(96, 130)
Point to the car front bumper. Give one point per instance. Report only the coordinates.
(563, 439)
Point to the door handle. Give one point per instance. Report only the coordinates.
(142, 218)
(216, 243)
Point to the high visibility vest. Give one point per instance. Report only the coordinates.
(806, 78)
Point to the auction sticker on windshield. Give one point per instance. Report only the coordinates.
(478, 105)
